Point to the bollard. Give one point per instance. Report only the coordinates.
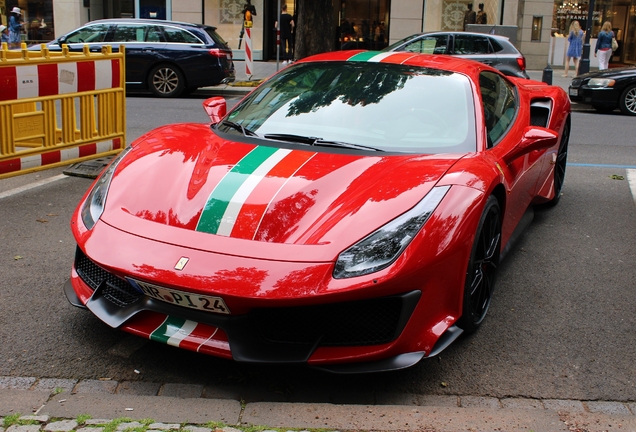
(547, 75)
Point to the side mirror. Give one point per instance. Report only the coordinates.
(215, 108)
(534, 138)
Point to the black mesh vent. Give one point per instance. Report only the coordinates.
(539, 116)
(117, 290)
(367, 322)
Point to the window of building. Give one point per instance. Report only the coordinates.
(37, 17)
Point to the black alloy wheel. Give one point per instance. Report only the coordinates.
(560, 164)
(482, 268)
(166, 81)
(628, 101)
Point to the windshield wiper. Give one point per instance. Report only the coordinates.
(316, 141)
(245, 131)
(292, 138)
(327, 143)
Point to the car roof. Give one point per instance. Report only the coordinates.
(494, 36)
(149, 21)
(433, 61)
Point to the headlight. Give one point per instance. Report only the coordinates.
(379, 249)
(601, 82)
(96, 200)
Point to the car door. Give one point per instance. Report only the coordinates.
(143, 47)
(93, 35)
(501, 115)
(428, 44)
(474, 47)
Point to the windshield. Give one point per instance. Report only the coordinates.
(384, 106)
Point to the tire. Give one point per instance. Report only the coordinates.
(560, 165)
(627, 103)
(482, 268)
(166, 81)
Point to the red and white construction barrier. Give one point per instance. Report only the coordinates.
(32, 81)
(57, 156)
(248, 52)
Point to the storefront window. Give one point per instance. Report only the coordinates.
(453, 13)
(37, 17)
(620, 13)
(363, 24)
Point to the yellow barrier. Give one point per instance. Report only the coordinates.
(59, 108)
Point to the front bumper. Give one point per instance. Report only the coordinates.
(604, 97)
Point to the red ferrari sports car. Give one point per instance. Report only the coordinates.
(349, 213)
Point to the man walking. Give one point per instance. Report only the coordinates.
(286, 30)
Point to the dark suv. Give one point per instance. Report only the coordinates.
(493, 50)
(166, 57)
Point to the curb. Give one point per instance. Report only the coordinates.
(54, 401)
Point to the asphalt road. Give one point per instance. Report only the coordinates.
(561, 325)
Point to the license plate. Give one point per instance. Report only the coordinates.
(180, 298)
(574, 92)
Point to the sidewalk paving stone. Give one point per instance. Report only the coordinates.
(521, 403)
(96, 386)
(479, 402)
(37, 418)
(563, 405)
(61, 426)
(164, 426)
(183, 391)
(52, 384)
(21, 383)
(607, 407)
(138, 388)
(24, 428)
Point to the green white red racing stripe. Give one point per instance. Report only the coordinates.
(179, 332)
(379, 57)
(239, 201)
(183, 333)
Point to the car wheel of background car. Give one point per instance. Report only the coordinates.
(628, 101)
(166, 81)
(482, 267)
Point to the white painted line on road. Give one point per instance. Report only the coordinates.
(31, 186)
(631, 178)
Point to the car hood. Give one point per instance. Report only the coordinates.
(609, 73)
(185, 178)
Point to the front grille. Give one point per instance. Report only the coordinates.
(366, 322)
(116, 290)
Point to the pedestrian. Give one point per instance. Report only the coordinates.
(15, 28)
(482, 17)
(470, 16)
(4, 34)
(604, 46)
(575, 50)
(286, 29)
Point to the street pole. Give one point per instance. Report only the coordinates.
(278, 36)
(584, 64)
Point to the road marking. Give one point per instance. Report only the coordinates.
(627, 167)
(631, 178)
(31, 186)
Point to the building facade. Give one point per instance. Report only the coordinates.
(541, 26)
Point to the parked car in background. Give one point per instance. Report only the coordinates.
(606, 90)
(167, 58)
(493, 50)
